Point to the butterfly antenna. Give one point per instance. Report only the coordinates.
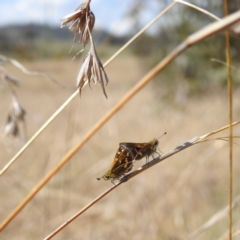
(99, 178)
(158, 146)
(162, 135)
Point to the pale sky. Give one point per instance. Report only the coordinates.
(110, 14)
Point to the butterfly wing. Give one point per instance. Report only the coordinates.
(123, 162)
(138, 149)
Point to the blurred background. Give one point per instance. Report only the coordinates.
(189, 98)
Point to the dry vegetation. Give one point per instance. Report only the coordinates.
(169, 201)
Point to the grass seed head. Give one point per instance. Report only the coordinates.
(82, 22)
(11, 127)
(17, 110)
(92, 70)
(15, 81)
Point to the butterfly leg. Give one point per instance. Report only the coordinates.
(112, 181)
(159, 151)
(159, 155)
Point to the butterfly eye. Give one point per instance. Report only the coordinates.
(156, 143)
(106, 177)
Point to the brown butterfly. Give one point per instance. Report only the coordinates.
(122, 163)
(126, 154)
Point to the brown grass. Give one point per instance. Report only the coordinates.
(169, 201)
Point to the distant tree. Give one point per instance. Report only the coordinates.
(174, 27)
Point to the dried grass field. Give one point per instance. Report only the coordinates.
(169, 201)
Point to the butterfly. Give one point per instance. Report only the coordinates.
(126, 154)
(122, 164)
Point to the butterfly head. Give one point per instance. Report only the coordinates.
(107, 176)
(155, 143)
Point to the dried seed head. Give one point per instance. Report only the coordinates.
(82, 20)
(11, 127)
(12, 80)
(18, 112)
(92, 69)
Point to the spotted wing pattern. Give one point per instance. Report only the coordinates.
(122, 163)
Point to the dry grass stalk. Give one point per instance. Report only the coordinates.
(225, 236)
(191, 40)
(141, 32)
(69, 100)
(230, 112)
(198, 9)
(225, 64)
(18, 65)
(214, 219)
(148, 165)
(81, 211)
(234, 234)
(223, 139)
(234, 29)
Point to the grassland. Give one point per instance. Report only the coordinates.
(169, 201)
